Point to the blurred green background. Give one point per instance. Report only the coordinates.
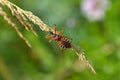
(45, 61)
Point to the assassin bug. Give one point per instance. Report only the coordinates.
(63, 41)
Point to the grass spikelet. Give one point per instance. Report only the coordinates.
(4, 14)
(81, 54)
(25, 18)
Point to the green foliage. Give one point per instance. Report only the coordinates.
(45, 61)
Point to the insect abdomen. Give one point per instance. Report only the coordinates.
(64, 44)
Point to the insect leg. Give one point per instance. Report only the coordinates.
(60, 33)
(49, 37)
(54, 28)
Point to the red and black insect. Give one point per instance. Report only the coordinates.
(63, 41)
